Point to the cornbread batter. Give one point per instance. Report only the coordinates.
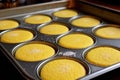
(103, 56)
(34, 52)
(16, 36)
(8, 24)
(62, 69)
(54, 29)
(65, 13)
(108, 32)
(76, 41)
(85, 22)
(37, 19)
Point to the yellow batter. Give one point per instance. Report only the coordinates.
(76, 41)
(8, 24)
(54, 29)
(34, 52)
(103, 56)
(38, 19)
(86, 22)
(65, 13)
(16, 36)
(109, 32)
(62, 69)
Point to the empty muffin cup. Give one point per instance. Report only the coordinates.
(34, 51)
(62, 68)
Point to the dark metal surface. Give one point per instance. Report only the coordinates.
(7, 69)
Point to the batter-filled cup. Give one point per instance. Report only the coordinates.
(8, 24)
(34, 51)
(86, 22)
(65, 13)
(108, 32)
(76, 41)
(103, 56)
(38, 19)
(16, 36)
(62, 69)
(54, 28)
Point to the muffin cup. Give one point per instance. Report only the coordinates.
(97, 64)
(85, 16)
(105, 26)
(77, 32)
(11, 19)
(66, 17)
(49, 19)
(29, 30)
(34, 42)
(60, 23)
(40, 65)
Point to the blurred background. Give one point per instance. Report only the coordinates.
(16, 3)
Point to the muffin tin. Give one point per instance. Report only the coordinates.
(30, 70)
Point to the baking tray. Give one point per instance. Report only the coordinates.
(29, 69)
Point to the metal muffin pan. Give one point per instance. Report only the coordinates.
(30, 70)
